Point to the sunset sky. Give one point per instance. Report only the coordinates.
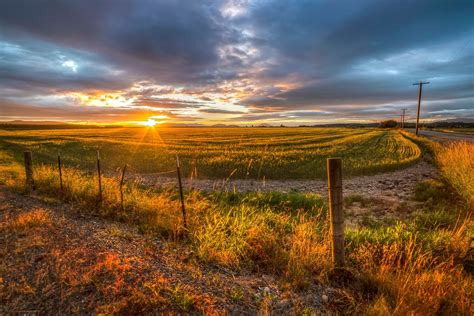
(234, 62)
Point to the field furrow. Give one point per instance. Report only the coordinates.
(273, 153)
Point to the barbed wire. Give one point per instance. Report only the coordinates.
(135, 170)
(159, 173)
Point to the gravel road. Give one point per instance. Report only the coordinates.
(444, 137)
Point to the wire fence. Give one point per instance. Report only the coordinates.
(334, 172)
(121, 179)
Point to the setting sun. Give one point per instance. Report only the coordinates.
(150, 122)
(153, 120)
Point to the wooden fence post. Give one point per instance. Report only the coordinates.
(121, 185)
(181, 195)
(28, 171)
(100, 180)
(60, 175)
(334, 171)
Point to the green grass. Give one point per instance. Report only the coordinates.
(419, 266)
(273, 153)
(456, 162)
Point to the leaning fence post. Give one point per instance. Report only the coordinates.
(181, 195)
(60, 175)
(28, 171)
(121, 185)
(100, 180)
(334, 171)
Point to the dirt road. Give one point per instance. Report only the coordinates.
(383, 196)
(398, 183)
(444, 137)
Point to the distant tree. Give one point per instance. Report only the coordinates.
(388, 124)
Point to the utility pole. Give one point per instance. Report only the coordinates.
(403, 118)
(420, 84)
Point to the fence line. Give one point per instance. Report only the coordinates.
(28, 171)
(100, 180)
(181, 195)
(335, 197)
(334, 171)
(60, 175)
(121, 186)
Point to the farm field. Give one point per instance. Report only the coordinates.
(254, 153)
(252, 252)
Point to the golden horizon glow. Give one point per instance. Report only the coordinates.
(150, 123)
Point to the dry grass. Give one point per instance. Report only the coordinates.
(308, 256)
(45, 268)
(413, 268)
(420, 266)
(456, 161)
(35, 218)
(413, 281)
(150, 211)
(250, 233)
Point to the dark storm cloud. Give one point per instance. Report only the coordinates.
(359, 91)
(42, 67)
(343, 58)
(169, 41)
(359, 52)
(334, 34)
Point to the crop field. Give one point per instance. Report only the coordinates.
(254, 153)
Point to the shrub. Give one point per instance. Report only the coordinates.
(388, 124)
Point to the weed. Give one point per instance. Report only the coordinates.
(181, 298)
(236, 293)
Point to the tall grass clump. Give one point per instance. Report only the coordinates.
(10, 170)
(283, 236)
(308, 252)
(412, 268)
(227, 236)
(456, 161)
(411, 281)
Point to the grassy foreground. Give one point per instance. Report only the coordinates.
(420, 266)
(457, 164)
(273, 153)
